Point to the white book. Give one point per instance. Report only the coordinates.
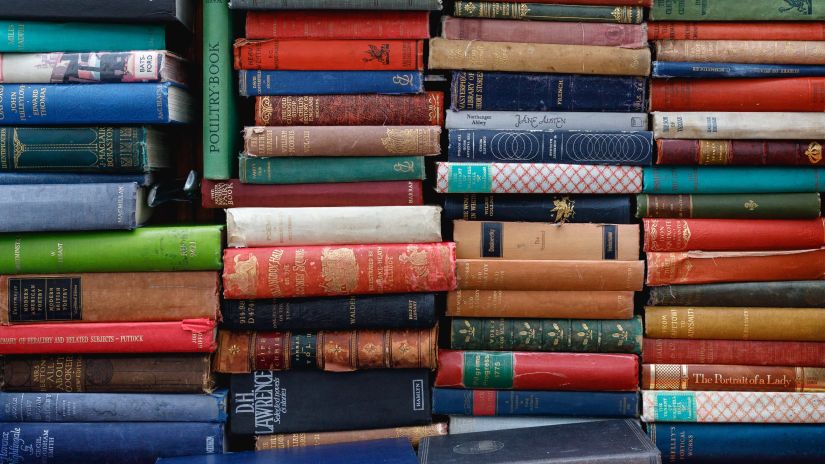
(537, 120)
(470, 424)
(732, 125)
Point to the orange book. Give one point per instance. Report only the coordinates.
(779, 95)
(683, 30)
(485, 274)
(330, 55)
(541, 304)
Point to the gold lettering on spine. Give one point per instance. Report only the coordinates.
(714, 152)
(339, 269)
(244, 275)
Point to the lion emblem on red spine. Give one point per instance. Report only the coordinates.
(339, 269)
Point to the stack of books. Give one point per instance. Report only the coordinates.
(733, 233)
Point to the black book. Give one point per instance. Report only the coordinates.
(268, 402)
(605, 442)
(154, 11)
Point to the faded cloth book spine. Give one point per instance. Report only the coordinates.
(326, 271)
(536, 178)
(486, 403)
(119, 373)
(424, 109)
(576, 335)
(738, 125)
(670, 69)
(545, 241)
(540, 304)
(535, 120)
(296, 440)
(738, 179)
(487, 274)
(336, 4)
(737, 323)
(715, 377)
(549, 12)
(722, 10)
(573, 33)
(732, 206)
(153, 11)
(742, 51)
(329, 55)
(510, 370)
(742, 406)
(46, 37)
(740, 152)
(65, 68)
(233, 194)
(471, 424)
(539, 58)
(544, 208)
(732, 234)
(342, 141)
(696, 267)
(343, 351)
(253, 83)
(778, 94)
(337, 169)
(337, 25)
(109, 297)
(685, 30)
(261, 227)
(789, 294)
(749, 353)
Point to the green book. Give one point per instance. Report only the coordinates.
(545, 12)
(34, 36)
(730, 206)
(318, 170)
(185, 248)
(738, 10)
(221, 131)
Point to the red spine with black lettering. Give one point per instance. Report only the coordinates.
(740, 152)
(738, 352)
(673, 234)
(759, 95)
(330, 55)
(337, 25)
(234, 194)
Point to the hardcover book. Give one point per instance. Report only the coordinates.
(421, 109)
(722, 10)
(777, 94)
(739, 406)
(739, 352)
(730, 206)
(470, 424)
(739, 30)
(782, 294)
(720, 377)
(343, 24)
(738, 179)
(732, 234)
(693, 69)
(412, 433)
(738, 125)
(95, 67)
(233, 193)
(67, 10)
(329, 55)
(549, 12)
(46, 37)
(605, 275)
(288, 83)
(742, 51)
(740, 152)
(545, 121)
(337, 169)
(336, 4)
(499, 403)
(540, 304)
(326, 141)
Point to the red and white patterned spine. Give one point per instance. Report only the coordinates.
(743, 407)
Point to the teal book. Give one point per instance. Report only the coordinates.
(312, 170)
(35, 36)
(729, 179)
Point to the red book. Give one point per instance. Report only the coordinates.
(320, 24)
(764, 30)
(755, 353)
(189, 336)
(234, 194)
(764, 95)
(330, 55)
(740, 152)
(507, 370)
(584, 2)
(732, 234)
(280, 272)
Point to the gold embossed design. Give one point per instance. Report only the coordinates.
(222, 194)
(713, 152)
(564, 209)
(621, 334)
(469, 331)
(266, 110)
(404, 166)
(625, 14)
(523, 10)
(667, 377)
(751, 205)
(468, 7)
(685, 233)
(527, 333)
(402, 141)
(339, 268)
(245, 274)
(417, 260)
(814, 152)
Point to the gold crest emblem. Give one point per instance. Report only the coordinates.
(751, 205)
(814, 152)
(401, 141)
(339, 269)
(564, 209)
(417, 260)
(244, 277)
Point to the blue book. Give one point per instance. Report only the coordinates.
(497, 91)
(389, 451)
(730, 179)
(132, 103)
(106, 443)
(567, 147)
(18, 178)
(739, 443)
(536, 403)
(112, 407)
(614, 209)
(254, 83)
(722, 70)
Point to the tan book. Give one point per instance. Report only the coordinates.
(296, 440)
(540, 304)
(742, 51)
(494, 274)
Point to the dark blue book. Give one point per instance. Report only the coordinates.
(254, 83)
(567, 147)
(498, 91)
(26, 178)
(106, 443)
(721, 70)
(535, 403)
(112, 407)
(390, 451)
(606, 209)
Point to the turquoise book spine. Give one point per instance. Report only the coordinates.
(727, 179)
(36, 37)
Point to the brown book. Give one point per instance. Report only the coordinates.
(338, 351)
(494, 274)
(296, 440)
(109, 297)
(742, 51)
(172, 373)
(545, 241)
(540, 304)
(265, 141)
(719, 377)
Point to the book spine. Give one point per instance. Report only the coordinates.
(46, 37)
(339, 169)
(486, 274)
(336, 4)
(732, 206)
(549, 12)
(716, 234)
(539, 58)
(723, 179)
(668, 69)
(540, 304)
(326, 271)
(676, 30)
(399, 311)
(545, 208)
(232, 193)
(571, 335)
(712, 377)
(741, 51)
(543, 241)
(732, 352)
(572, 147)
(98, 297)
(790, 294)
(91, 10)
(330, 55)
(536, 178)
(723, 406)
(590, 2)
(296, 440)
(738, 125)
(566, 33)
(244, 352)
(507, 370)
(337, 25)
(481, 403)
(256, 83)
(262, 141)
(781, 94)
(49, 178)
(483, 91)
(425, 109)
(72, 68)
(471, 424)
(740, 152)
(534, 120)
(720, 10)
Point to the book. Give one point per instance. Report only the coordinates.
(514, 370)
(355, 24)
(738, 125)
(499, 403)
(413, 433)
(730, 206)
(540, 208)
(549, 12)
(537, 178)
(740, 152)
(342, 351)
(742, 352)
(720, 377)
(540, 304)
(738, 179)
(67, 178)
(720, 10)
(671, 69)
(185, 248)
(539, 58)
(46, 37)
(422, 109)
(335, 4)
(338, 169)
(646, 3)
(329, 55)
(572, 147)
(353, 400)
(112, 407)
(167, 11)
(788, 294)
(777, 94)
(740, 406)
(739, 30)
(485, 274)
(256, 83)
(718, 234)
(742, 51)
(470, 424)
(544, 121)
(108, 297)
(277, 272)
(325, 141)
(233, 193)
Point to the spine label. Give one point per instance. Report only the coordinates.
(488, 370)
(45, 299)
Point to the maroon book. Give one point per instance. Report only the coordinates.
(739, 352)
(740, 152)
